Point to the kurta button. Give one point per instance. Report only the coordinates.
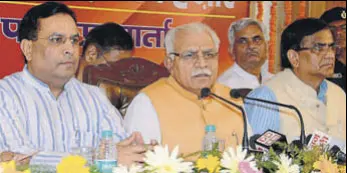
(317, 105)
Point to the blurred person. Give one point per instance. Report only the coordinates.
(105, 43)
(336, 19)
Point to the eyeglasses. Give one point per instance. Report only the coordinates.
(58, 39)
(319, 48)
(193, 56)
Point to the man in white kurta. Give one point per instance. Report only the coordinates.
(248, 47)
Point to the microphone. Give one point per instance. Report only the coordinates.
(205, 92)
(235, 93)
(336, 152)
(318, 138)
(270, 139)
(252, 140)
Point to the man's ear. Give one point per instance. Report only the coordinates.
(231, 53)
(26, 47)
(91, 54)
(293, 58)
(168, 63)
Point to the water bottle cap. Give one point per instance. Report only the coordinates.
(107, 133)
(210, 128)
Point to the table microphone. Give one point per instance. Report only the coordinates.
(235, 93)
(205, 92)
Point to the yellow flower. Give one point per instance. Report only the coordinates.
(72, 164)
(211, 163)
(325, 165)
(342, 168)
(10, 167)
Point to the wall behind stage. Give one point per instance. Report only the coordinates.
(147, 22)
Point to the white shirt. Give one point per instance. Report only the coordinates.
(235, 77)
(33, 119)
(141, 116)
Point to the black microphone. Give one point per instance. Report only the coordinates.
(235, 93)
(336, 152)
(271, 139)
(252, 140)
(206, 92)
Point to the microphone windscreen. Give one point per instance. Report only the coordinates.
(252, 140)
(235, 93)
(205, 92)
(308, 138)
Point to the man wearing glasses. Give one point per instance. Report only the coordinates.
(46, 111)
(248, 46)
(170, 110)
(336, 18)
(308, 57)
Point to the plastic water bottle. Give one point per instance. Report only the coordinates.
(210, 139)
(107, 154)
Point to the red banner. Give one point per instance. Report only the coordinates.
(147, 22)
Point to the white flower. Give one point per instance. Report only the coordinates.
(285, 165)
(231, 160)
(160, 161)
(124, 169)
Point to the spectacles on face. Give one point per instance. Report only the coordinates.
(193, 56)
(59, 39)
(319, 48)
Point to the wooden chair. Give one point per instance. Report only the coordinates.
(123, 79)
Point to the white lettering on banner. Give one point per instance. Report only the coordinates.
(144, 36)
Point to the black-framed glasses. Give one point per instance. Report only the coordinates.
(59, 39)
(319, 48)
(194, 55)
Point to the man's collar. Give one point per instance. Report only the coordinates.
(302, 87)
(37, 83)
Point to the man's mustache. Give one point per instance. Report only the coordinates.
(201, 72)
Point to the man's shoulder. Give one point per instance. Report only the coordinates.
(155, 86)
(335, 89)
(8, 82)
(226, 75)
(86, 87)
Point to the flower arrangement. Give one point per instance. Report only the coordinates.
(10, 167)
(232, 160)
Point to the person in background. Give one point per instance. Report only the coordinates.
(336, 19)
(170, 110)
(248, 46)
(308, 57)
(44, 108)
(105, 43)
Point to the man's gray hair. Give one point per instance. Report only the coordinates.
(170, 37)
(241, 24)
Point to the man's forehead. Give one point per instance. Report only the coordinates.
(62, 24)
(250, 31)
(322, 36)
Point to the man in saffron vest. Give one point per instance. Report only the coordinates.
(170, 110)
(307, 56)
